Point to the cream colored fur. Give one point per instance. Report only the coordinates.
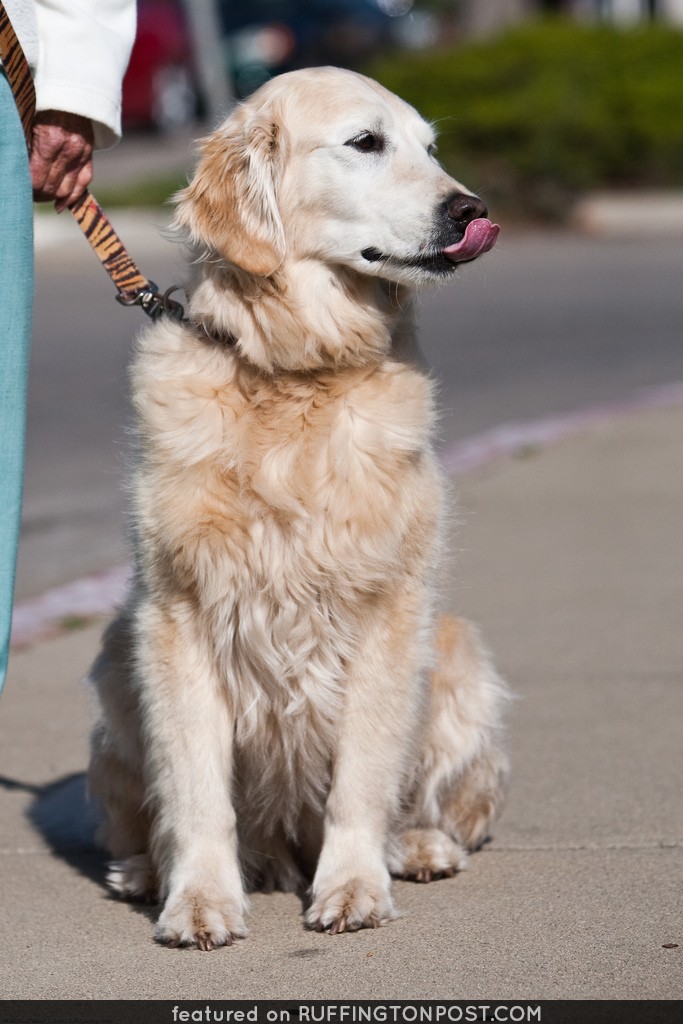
(276, 702)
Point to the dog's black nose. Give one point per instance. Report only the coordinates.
(462, 209)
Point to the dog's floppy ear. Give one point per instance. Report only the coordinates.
(229, 207)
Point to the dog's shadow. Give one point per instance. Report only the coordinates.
(66, 820)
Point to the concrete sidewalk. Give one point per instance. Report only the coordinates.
(571, 558)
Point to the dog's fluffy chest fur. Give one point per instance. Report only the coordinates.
(283, 505)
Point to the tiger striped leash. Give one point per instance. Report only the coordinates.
(133, 288)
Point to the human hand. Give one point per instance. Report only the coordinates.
(61, 157)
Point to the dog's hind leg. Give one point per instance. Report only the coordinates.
(460, 782)
(114, 776)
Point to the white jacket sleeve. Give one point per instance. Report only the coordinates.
(83, 51)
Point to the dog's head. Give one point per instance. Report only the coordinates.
(326, 165)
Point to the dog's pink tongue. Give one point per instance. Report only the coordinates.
(479, 237)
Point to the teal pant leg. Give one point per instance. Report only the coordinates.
(16, 300)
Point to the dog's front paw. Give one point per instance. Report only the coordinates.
(193, 919)
(359, 903)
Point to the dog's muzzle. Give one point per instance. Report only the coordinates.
(464, 233)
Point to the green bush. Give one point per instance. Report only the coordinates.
(536, 117)
(154, 191)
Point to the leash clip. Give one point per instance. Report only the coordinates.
(153, 303)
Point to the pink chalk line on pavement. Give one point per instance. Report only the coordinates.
(508, 438)
(100, 594)
(87, 598)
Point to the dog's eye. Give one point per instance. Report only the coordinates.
(367, 142)
(432, 149)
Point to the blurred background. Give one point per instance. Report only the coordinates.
(567, 117)
(544, 99)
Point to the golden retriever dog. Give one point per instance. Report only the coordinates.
(279, 704)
